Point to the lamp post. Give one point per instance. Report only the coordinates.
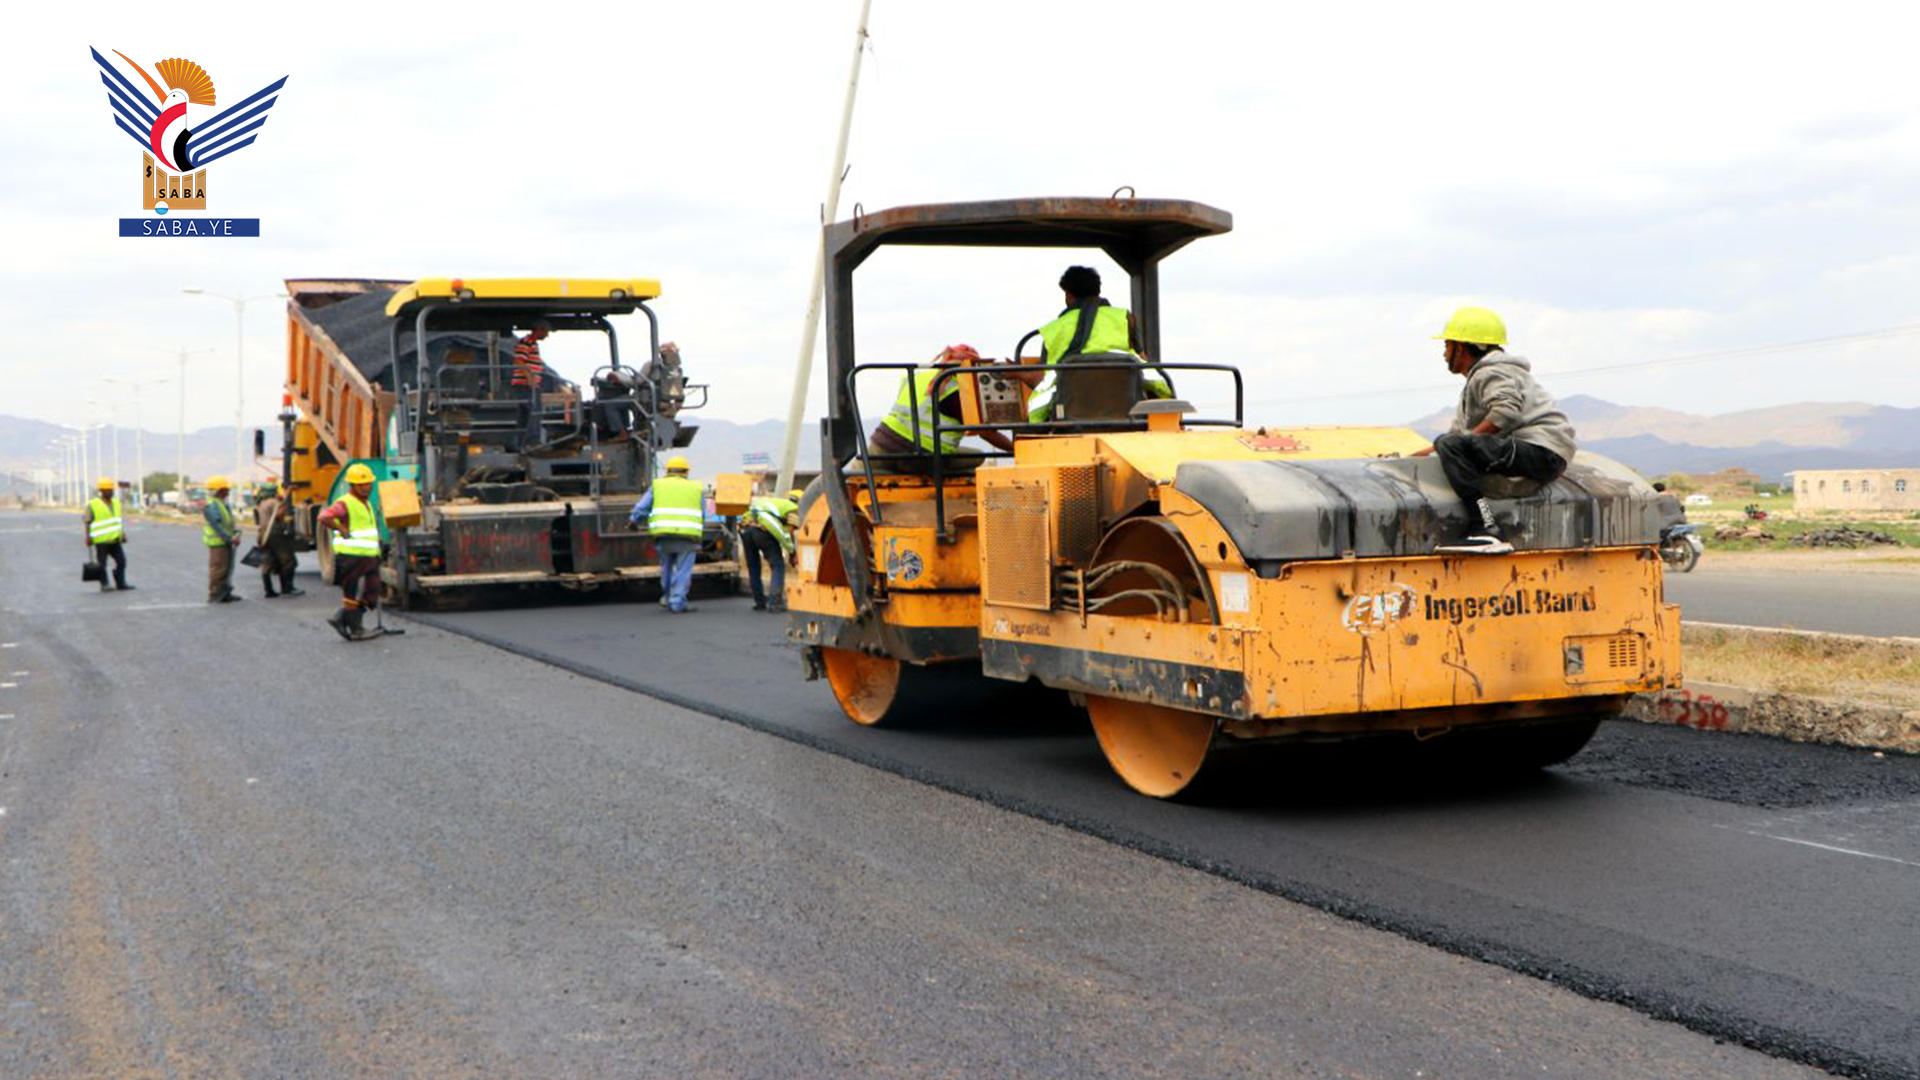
(139, 457)
(241, 473)
(180, 444)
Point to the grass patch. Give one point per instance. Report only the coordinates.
(1785, 529)
(1883, 672)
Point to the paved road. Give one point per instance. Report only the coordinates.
(1757, 890)
(235, 846)
(1847, 603)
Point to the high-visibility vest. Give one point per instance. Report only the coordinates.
(104, 527)
(915, 399)
(679, 508)
(363, 529)
(211, 536)
(1109, 333)
(770, 512)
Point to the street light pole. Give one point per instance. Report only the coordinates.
(139, 457)
(241, 474)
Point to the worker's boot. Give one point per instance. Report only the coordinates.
(267, 580)
(357, 623)
(120, 579)
(286, 585)
(342, 622)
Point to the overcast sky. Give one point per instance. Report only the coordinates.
(1623, 182)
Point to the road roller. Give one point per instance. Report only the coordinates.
(1196, 584)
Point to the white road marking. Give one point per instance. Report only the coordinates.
(18, 674)
(253, 779)
(1830, 847)
(6, 716)
(8, 685)
(9, 644)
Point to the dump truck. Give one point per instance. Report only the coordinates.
(491, 474)
(1198, 585)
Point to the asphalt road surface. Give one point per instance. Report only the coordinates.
(236, 846)
(1882, 605)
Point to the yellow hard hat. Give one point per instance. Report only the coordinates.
(795, 494)
(677, 463)
(219, 483)
(1475, 326)
(359, 474)
(105, 484)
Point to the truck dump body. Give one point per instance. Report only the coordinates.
(520, 476)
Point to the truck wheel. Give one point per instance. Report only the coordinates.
(1157, 750)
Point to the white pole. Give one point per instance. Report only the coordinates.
(180, 447)
(803, 371)
(83, 456)
(117, 474)
(240, 471)
(139, 461)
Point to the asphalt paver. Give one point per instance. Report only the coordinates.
(237, 846)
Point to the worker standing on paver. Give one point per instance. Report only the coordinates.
(221, 535)
(356, 553)
(1505, 425)
(674, 508)
(528, 369)
(274, 533)
(107, 534)
(767, 534)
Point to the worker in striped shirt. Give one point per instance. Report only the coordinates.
(528, 371)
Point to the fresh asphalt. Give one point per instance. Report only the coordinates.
(235, 845)
(1880, 605)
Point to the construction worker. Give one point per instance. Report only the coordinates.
(1086, 326)
(273, 531)
(767, 533)
(896, 434)
(675, 511)
(528, 369)
(107, 534)
(221, 536)
(1505, 425)
(356, 553)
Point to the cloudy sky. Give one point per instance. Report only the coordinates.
(1624, 182)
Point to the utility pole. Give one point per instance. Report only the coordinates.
(803, 372)
(139, 458)
(180, 449)
(241, 474)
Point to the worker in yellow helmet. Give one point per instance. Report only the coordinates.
(674, 509)
(221, 535)
(107, 534)
(766, 534)
(1505, 425)
(356, 553)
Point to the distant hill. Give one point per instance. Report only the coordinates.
(1771, 441)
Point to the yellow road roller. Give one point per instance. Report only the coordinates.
(1194, 583)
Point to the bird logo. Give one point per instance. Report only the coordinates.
(181, 150)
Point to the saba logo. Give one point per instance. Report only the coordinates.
(177, 144)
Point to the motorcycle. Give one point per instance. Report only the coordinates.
(1681, 547)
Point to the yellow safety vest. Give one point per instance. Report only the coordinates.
(1109, 334)
(208, 534)
(105, 528)
(678, 508)
(770, 512)
(363, 529)
(915, 399)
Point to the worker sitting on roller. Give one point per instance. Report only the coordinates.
(356, 553)
(1505, 425)
(107, 534)
(1088, 326)
(896, 434)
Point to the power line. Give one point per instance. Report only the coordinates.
(1632, 365)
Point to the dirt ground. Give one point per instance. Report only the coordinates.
(1881, 560)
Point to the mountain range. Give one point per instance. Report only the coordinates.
(1770, 442)
(1653, 439)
